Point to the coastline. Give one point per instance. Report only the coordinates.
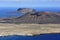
(28, 29)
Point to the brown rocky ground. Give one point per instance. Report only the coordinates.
(28, 29)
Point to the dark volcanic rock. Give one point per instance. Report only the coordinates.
(25, 10)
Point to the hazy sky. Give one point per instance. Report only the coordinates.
(29, 3)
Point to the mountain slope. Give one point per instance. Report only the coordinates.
(40, 18)
(31, 16)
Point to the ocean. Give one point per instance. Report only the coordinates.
(49, 9)
(52, 36)
(6, 12)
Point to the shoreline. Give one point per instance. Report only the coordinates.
(28, 29)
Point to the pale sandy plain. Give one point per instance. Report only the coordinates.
(28, 29)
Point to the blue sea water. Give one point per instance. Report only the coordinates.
(9, 12)
(50, 9)
(5, 12)
(55, 36)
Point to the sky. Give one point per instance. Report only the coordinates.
(29, 3)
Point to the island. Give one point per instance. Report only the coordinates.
(31, 23)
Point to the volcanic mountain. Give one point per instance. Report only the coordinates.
(33, 17)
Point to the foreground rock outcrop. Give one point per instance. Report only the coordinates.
(28, 29)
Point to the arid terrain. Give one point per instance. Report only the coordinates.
(31, 23)
(31, 16)
(28, 29)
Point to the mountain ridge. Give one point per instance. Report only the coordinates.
(31, 16)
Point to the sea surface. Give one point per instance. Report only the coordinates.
(52, 36)
(7, 12)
